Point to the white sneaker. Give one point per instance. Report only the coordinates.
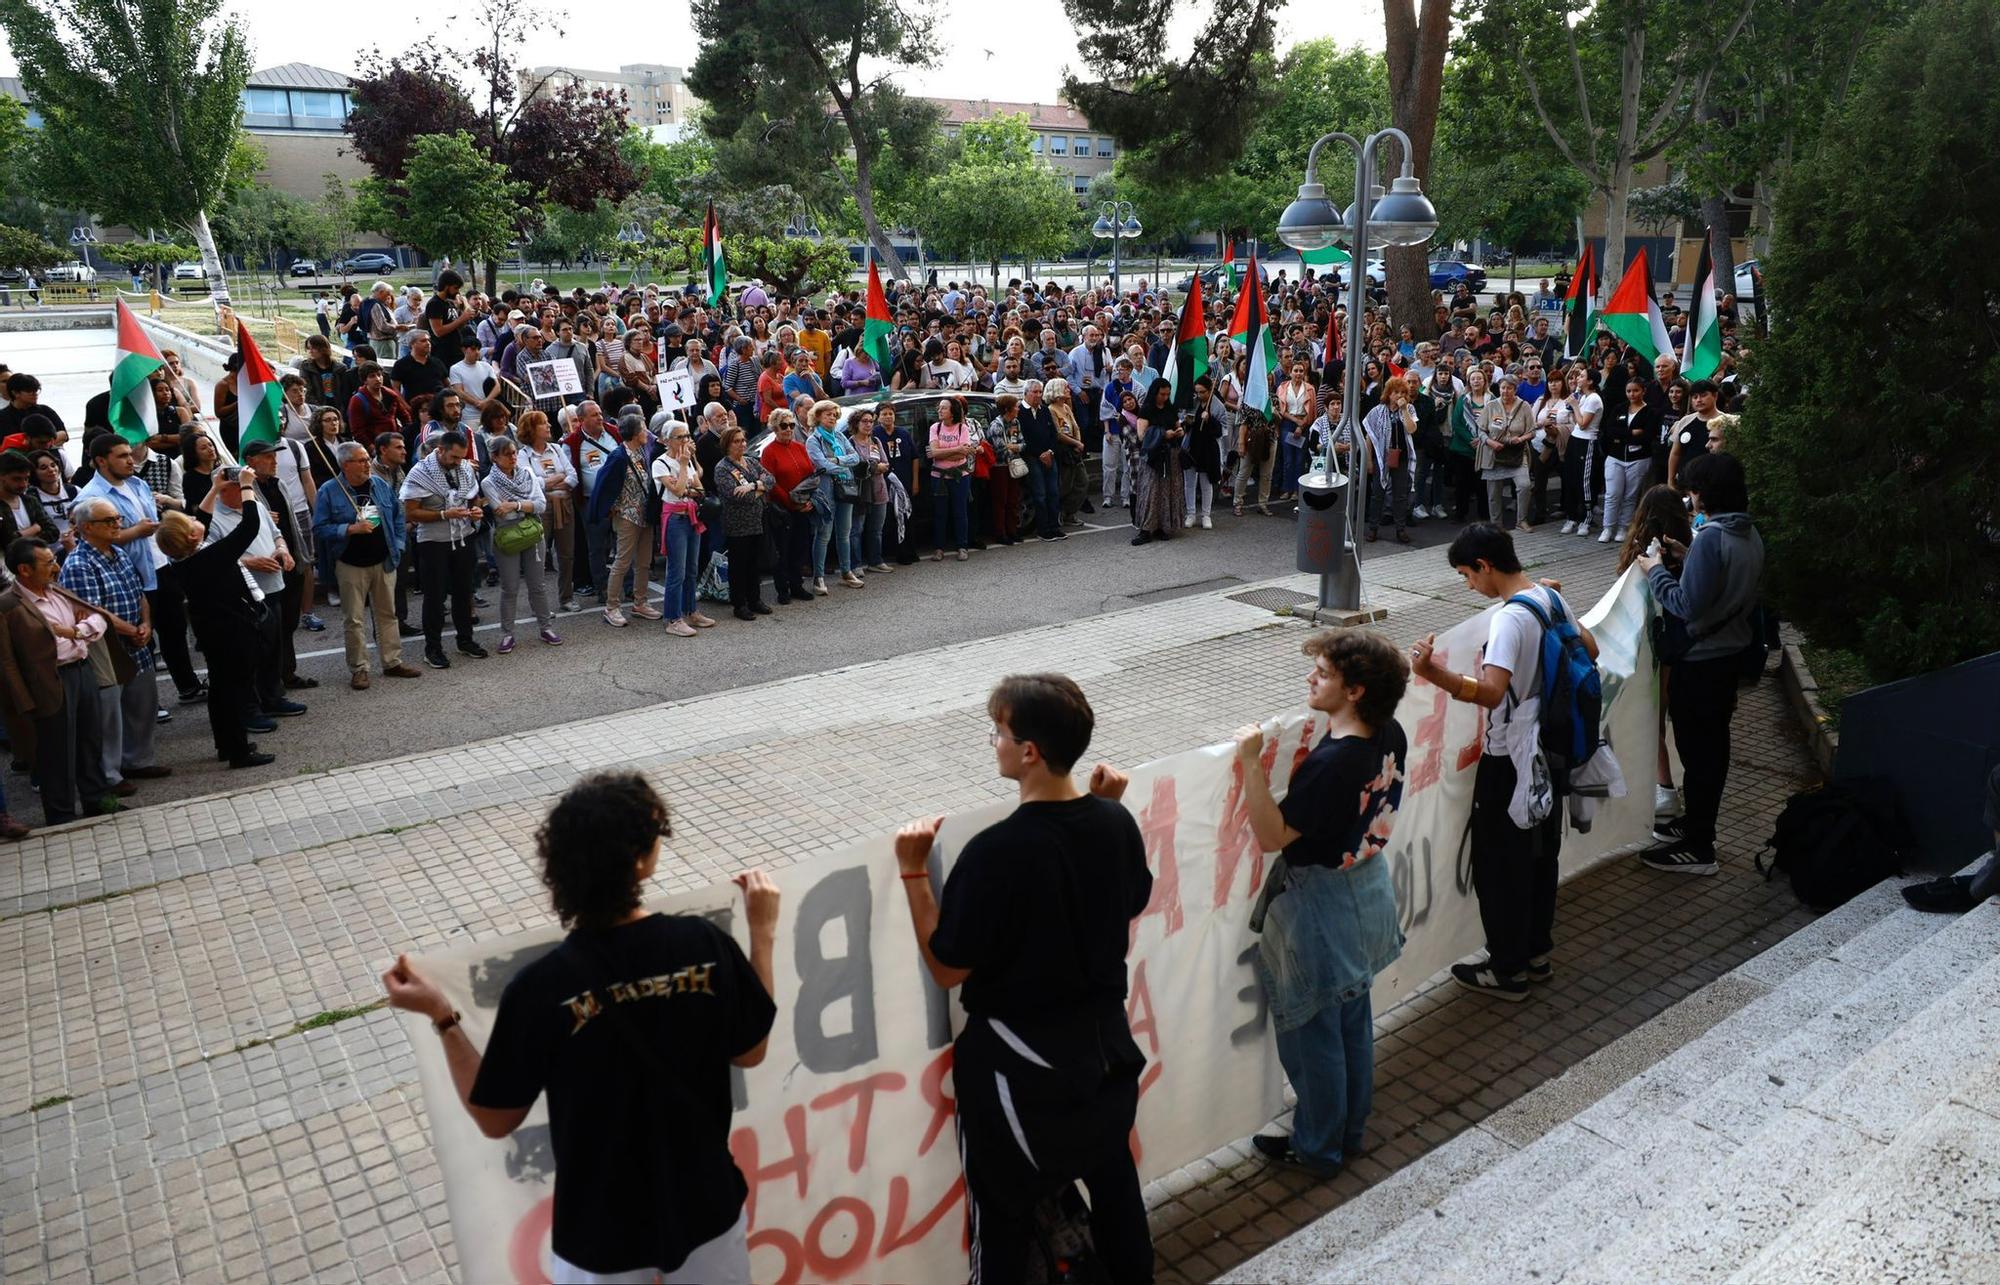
(1604, 536)
(1207, 523)
(1569, 528)
(819, 586)
(613, 616)
(1666, 802)
(1583, 528)
(1420, 513)
(1619, 535)
(332, 598)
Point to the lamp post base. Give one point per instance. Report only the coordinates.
(1343, 617)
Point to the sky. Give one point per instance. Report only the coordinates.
(1014, 51)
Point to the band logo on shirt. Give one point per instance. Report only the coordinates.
(694, 979)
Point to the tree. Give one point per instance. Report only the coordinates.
(768, 70)
(1415, 54)
(336, 206)
(791, 265)
(455, 201)
(139, 103)
(565, 145)
(1837, 466)
(1641, 67)
(157, 255)
(996, 199)
(1494, 172)
(263, 226)
(566, 235)
(25, 251)
(665, 169)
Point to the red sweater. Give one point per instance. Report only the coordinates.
(789, 465)
(367, 418)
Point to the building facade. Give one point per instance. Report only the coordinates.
(1060, 134)
(655, 94)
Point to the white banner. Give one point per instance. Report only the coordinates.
(845, 1131)
(677, 391)
(557, 378)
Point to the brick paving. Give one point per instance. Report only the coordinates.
(204, 1093)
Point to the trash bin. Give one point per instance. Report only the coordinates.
(1322, 547)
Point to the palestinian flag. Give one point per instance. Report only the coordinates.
(1330, 257)
(1229, 262)
(1701, 354)
(1250, 331)
(1634, 315)
(713, 270)
(134, 414)
(1187, 359)
(258, 396)
(1578, 318)
(879, 328)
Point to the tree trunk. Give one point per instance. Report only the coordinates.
(1715, 213)
(211, 262)
(1616, 202)
(492, 267)
(1632, 70)
(864, 204)
(1415, 53)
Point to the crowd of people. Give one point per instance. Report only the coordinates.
(713, 453)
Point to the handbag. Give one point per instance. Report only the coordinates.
(1017, 467)
(519, 537)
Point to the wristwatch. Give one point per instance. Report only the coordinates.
(447, 1023)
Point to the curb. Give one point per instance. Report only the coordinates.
(1802, 694)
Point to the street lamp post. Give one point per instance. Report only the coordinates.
(1402, 216)
(1116, 221)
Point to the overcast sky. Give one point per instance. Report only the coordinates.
(1014, 50)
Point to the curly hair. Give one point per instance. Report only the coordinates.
(591, 843)
(1364, 659)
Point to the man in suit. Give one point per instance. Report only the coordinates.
(49, 686)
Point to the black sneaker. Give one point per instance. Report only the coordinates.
(1951, 895)
(1540, 969)
(1669, 829)
(407, 630)
(195, 695)
(1278, 1149)
(1682, 858)
(1482, 978)
(473, 650)
(436, 659)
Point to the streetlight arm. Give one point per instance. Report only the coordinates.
(1312, 157)
(1409, 153)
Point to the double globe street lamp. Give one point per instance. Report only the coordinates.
(1401, 216)
(1116, 222)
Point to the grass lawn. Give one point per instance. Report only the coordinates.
(1839, 675)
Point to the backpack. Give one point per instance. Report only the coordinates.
(1837, 840)
(1572, 716)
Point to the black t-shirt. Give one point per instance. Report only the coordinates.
(1692, 437)
(416, 379)
(1343, 798)
(640, 1134)
(369, 550)
(1039, 907)
(443, 312)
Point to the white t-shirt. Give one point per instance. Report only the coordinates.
(949, 374)
(1589, 407)
(469, 378)
(1514, 643)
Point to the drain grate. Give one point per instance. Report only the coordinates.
(1272, 599)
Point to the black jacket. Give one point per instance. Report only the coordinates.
(218, 593)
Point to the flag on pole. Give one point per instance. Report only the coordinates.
(1578, 314)
(1187, 359)
(1336, 339)
(713, 270)
(1701, 353)
(1634, 315)
(1229, 261)
(259, 398)
(878, 327)
(1250, 331)
(134, 414)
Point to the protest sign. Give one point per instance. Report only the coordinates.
(556, 378)
(845, 1131)
(677, 390)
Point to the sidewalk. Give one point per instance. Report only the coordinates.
(207, 1092)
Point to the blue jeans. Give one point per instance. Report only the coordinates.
(868, 536)
(843, 537)
(597, 537)
(1046, 492)
(1431, 470)
(949, 497)
(1331, 1063)
(683, 568)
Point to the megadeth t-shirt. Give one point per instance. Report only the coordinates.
(631, 1031)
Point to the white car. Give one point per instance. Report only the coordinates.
(74, 270)
(1378, 273)
(190, 271)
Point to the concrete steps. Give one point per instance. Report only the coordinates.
(1700, 1142)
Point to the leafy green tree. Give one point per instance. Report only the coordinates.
(455, 201)
(337, 207)
(25, 251)
(793, 265)
(1494, 172)
(790, 89)
(262, 225)
(665, 169)
(996, 199)
(1614, 83)
(156, 255)
(139, 103)
(565, 235)
(1877, 495)
(21, 205)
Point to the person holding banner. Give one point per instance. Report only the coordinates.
(1033, 926)
(1513, 865)
(1331, 922)
(630, 1026)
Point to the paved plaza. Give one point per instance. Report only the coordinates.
(206, 1089)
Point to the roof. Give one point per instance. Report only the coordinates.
(1040, 115)
(299, 75)
(11, 86)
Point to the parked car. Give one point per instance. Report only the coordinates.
(189, 271)
(366, 261)
(1446, 273)
(74, 270)
(1378, 275)
(304, 268)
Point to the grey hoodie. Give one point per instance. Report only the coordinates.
(1717, 585)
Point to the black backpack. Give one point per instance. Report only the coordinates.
(1837, 840)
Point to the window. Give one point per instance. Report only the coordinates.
(318, 105)
(265, 102)
(1058, 145)
(1035, 144)
(1083, 147)
(1104, 147)
(1083, 185)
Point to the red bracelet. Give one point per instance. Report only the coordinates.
(921, 874)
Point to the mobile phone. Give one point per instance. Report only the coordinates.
(231, 475)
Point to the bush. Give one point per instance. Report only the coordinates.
(1872, 440)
